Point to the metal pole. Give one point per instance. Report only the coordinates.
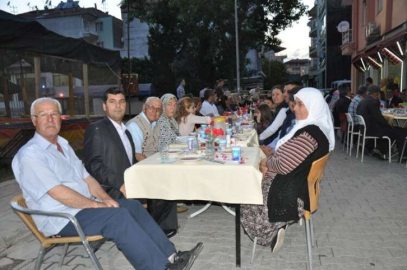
(237, 50)
(128, 56)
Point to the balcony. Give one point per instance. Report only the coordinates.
(348, 46)
(313, 32)
(313, 52)
(90, 35)
(313, 12)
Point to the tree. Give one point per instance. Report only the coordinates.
(195, 39)
(276, 73)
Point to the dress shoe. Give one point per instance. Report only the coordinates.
(170, 233)
(183, 260)
(181, 209)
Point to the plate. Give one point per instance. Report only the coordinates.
(175, 152)
(183, 139)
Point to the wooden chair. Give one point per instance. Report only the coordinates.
(20, 207)
(314, 178)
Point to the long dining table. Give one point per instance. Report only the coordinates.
(232, 183)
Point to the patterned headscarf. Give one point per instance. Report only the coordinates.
(165, 99)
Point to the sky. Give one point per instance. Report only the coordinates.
(295, 38)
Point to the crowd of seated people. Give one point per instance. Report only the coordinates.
(294, 125)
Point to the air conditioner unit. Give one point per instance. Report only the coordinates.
(372, 29)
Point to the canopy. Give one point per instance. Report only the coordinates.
(30, 36)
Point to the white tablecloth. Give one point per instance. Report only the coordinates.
(227, 183)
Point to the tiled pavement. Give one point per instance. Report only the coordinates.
(361, 224)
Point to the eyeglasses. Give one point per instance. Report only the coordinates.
(153, 109)
(43, 116)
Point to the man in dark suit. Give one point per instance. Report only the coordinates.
(392, 100)
(109, 148)
(376, 125)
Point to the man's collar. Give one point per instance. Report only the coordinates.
(145, 117)
(44, 143)
(116, 125)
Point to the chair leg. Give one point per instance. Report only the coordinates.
(389, 150)
(357, 150)
(38, 263)
(312, 231)
(402, 151)
(92, 255)
(363, 148)
(309, 245)
(64, 251)
(254, 249)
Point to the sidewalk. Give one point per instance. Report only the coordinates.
(361, 224)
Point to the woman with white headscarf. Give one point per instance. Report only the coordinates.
(285, 188)
(166, 124)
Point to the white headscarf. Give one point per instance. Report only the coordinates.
(318, 114)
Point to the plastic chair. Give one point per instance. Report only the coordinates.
(364, 138)
(20, 207)
(350, 133)
(402, 152)
(314, 178)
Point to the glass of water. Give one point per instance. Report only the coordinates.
(164, 155)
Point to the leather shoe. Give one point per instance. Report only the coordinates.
(183, 260)
(181, 209)
(170, 233)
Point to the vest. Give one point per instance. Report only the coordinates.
(149, 145)
(285, 189)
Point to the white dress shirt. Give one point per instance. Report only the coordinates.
(121, 130)
(38, 167)
(208, 108)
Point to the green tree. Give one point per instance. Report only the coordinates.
(195, 39)
(276, 73)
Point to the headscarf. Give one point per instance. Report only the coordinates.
(318, 114)
(166, 98)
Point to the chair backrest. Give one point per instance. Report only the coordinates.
(27, 219)
(349, 118)
(314, 178)
(362, 123)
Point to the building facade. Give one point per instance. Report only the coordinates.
(70, 20)
(376, 42)
(327, 62)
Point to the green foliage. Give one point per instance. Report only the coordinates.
(143, 67)
(276, 73)
(195, 39)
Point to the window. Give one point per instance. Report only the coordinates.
(60, 80)
(86, 26)
(379, 5)
(364, 13)
(99, 27)
(100, 44)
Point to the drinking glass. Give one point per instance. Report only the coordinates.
(164, 155)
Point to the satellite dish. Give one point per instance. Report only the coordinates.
(343, 26)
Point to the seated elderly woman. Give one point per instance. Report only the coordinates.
(166, 124)
(284, 186)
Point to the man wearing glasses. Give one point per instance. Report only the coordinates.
(143, 128)
(145, 137)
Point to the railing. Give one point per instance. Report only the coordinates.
(347, 37)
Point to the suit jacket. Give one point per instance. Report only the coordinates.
(105, 156)
(369, 108)
(394, 102)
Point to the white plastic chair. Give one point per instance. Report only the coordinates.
(350, 133)
(364, 138)
(402, 152)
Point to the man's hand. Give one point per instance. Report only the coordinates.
(111, 203)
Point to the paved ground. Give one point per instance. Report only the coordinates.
(361, 224)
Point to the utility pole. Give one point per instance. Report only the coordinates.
(237, 50)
